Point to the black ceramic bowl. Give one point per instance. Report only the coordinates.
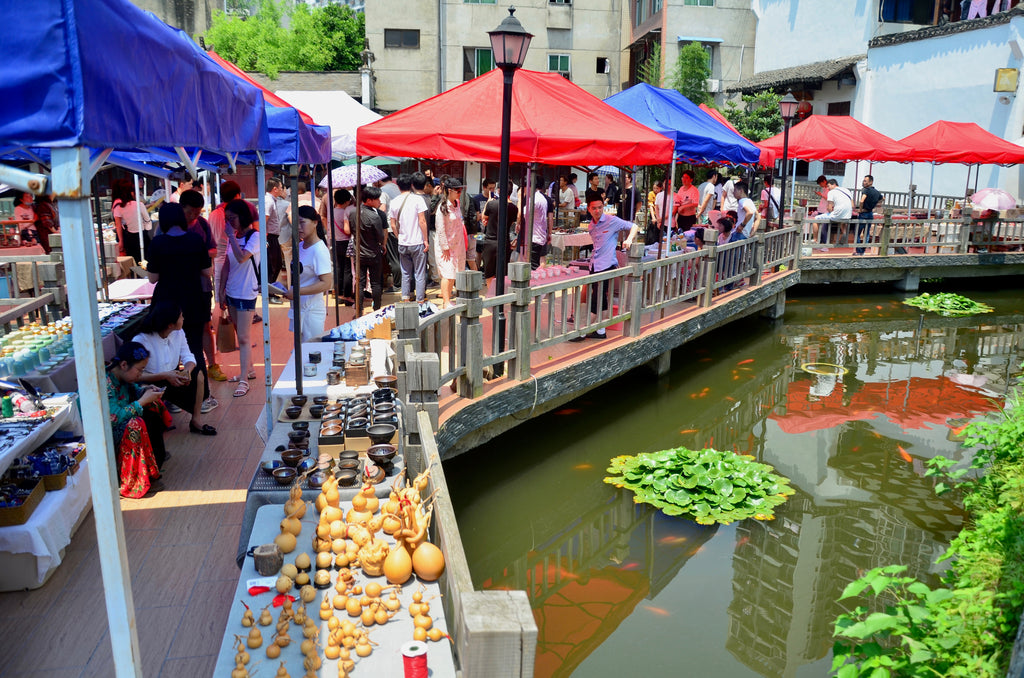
(292, 457)
(384, 407)
(348, 454)
(307, 464)
(299, 400)
(384, 395)
(300, 425)
(358, 422)
(385, 419)
(314, 357)
(298, 435)
(347, 477)
(386, 381)
(381, 455)
(348, 463)
(320, 400)
(357, 411)
(293, 411)
(269, 466)
(316, 480)
(280, 448)
(316, 411)
(284, 475)
(381, 433)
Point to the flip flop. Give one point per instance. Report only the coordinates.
(241, 389)
(204, 430)
(237, 378)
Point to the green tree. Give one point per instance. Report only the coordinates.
(649, 70)
(322, 39)
(758, 118)
(691, 73)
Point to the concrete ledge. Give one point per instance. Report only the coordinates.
(835, 269)
(488, 417)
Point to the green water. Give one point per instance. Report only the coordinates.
(619, 589)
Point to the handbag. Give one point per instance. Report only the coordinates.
(226, 339)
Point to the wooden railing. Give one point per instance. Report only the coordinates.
(900, 201)
(535, 318)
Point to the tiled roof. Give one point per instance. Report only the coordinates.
(946, 29)
(795, 76)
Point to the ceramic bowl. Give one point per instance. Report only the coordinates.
(348, 454)
(298, 444)
(335, 407)
(384, 407)
(373, 474)
(269, 466)
(347, 477)
(381, 455)
(333, 377)
(280, 448)
(320, 400)
(316, 411)
(298, 435)
(330, 430)
(357, 411)
(293, 411)
(358, 422)
(348, 463)
(284, 475)
(307, 464)
(391, 419)
(381, 433)
(316, 480)
(384, 395)
(300, 425)
(386, 381)
(299, 400)
(292, 457)
(315, 357)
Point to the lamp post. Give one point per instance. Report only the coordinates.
(509, 43)
(787, 107)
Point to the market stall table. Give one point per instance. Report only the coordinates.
(62, 378)
(16, 441)
(264, 489)
(560, 240)
(285, 387)
(386, 659)
(131, 289)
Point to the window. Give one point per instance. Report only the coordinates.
(604, 65)
(839, 108)
(710, 49)
(907, 11)
(640, 14)
(559, 38)
(656, 6)
(559, 63)
(476, 61)
(402, 37)
(480, 2)
(559, 2)
(699, 3)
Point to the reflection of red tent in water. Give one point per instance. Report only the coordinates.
(577, 617)
(909, 403)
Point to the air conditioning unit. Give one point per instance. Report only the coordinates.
(714, 86)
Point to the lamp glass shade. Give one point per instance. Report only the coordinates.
(510, 42)
(788, 106)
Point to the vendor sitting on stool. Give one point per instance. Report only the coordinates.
(163, 337)
(136, 417)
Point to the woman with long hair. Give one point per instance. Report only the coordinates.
(451, 237)
(314, 275)
(125, 212)
(238, 286)
(131, 418)
(24, 211)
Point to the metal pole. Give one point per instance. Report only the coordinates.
(72, 193)
(334, 244)
(528, 211)
(264, 283)
(103, 249)
(293, 175)
(931, 190)
(910, 193)
(357, 285)
(507, 73)
(670, 189)
(785, 171)
(138, 216)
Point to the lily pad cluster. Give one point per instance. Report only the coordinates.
(948, 304)
(710, 485)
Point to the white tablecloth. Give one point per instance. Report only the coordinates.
(131, 289)
(285, 387)
(50, 527)
(67, 418)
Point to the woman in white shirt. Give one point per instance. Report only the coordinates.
(25, 213)
(125, 212)
(314, 276)
(171, 364)
(238, 286)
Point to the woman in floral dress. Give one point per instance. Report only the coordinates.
(137, 467)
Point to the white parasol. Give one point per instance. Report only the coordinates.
(345, 176)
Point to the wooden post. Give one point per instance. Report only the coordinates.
(407, 320)
(755, 277)
(965, 234)
(634, 289)
(710, 272)
(471, 333)
(423, 378)
(798, 222)
(519, 327)
(883, 245)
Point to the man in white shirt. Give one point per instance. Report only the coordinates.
(541, 227)
(706, 191)
(408, 219)
(275, 257)
(747, 217)
(771, 198)
(840, 208)
(728, 200)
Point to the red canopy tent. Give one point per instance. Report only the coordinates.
(553, 122)
(840, 138)
(961, 142)
(767, 156)
(268, 96)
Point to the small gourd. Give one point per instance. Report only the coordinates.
(332, 651)
(266, 619)
(286, 541)
(398, 566)
(273, 651)
(435, 634)
(282, 672)
(372, 503)
(247, 618)
(363, 648)
(307, 593)
(427, 561)
(239, 672)
(255, 638)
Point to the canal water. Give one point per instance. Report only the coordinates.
(620, 589)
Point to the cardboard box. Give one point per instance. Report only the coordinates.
(19, 515)
(381, 331)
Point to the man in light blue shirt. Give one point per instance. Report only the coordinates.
(604, 231)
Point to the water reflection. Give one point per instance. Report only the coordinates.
(603, 573)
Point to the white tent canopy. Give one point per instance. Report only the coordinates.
(337, 109)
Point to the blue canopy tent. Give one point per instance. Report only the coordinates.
(698, 137)
(105, 75)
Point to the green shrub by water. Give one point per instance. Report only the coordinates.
(966, 628)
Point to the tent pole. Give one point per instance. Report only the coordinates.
(357, 279)
(293, 176)
(138, 216)
(528, 225)
(967, 186)
(931, 190)
(669, 190)
(264, 283)
(71, 191)
(103, 249)
(334, 244)
(910, 191)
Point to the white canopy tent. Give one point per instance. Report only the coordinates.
(337, 109)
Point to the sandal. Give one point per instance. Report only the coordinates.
(205, 429)
(236, 379)
(241, 389)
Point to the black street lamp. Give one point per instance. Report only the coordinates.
(787, 107)
(509, 43)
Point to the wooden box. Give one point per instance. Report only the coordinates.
(19, 515)
(357, 375)
(381, 330)
(57, 481)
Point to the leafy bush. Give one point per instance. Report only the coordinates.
(712, 486)
(967, 628)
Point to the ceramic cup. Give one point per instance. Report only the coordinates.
(309, 370)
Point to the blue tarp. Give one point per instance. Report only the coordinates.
(293, 142)
(105, 74)
(697, 137)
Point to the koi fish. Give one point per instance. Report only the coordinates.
(705, 360)
(562, 572)
(743, 541)
(629, 566)
(583, 467)
(903, 453)
(730, 399)
(745, 362)
(689, 430)
(672, 540)
(660, 611)
(879, 308)
(855, 449)
(568, 410)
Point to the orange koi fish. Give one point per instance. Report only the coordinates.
(745, 362)
(583, 467)
(742, 542)
(568, 410)
(689, 430)
(672, 540)
(903, 453)
(660, 611)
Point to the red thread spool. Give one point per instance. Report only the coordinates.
(414, 659)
